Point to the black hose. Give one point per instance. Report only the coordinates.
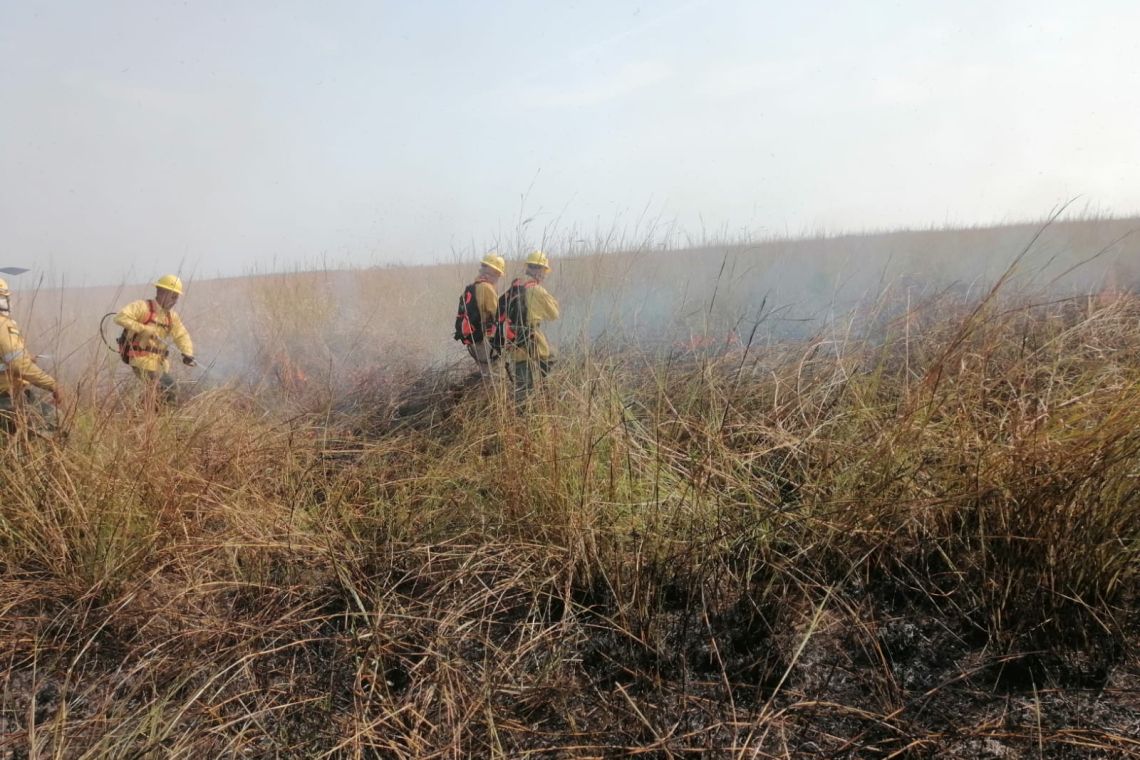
(103, 332)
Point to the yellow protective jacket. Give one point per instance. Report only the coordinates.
(487, 300)
(146, 353)
(540, 307)
(17, 368)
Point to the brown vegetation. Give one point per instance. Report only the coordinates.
(914, 537)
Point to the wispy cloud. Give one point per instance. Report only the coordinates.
(627, 80)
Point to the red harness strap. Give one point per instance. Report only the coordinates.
(467, 329)
(134, 348)
(510, 331)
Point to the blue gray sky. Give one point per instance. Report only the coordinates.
(218, 138)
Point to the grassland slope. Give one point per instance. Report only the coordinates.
(912, 533)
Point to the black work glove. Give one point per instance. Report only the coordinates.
(189, 361)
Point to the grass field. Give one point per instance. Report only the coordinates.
(763, 509)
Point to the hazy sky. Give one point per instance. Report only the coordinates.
(238, 134)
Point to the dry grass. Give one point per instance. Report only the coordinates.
(914, 535)
(334, 324)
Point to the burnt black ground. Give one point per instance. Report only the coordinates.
(685, 677)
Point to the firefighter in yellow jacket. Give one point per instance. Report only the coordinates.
(151, 326)
(478, 311)
(531, 355)
(18, 371)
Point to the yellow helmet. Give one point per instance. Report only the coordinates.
(170, 282)
(496, 262)
(538, 259)
(4, 293)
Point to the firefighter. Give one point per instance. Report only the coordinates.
(478, 313)
(149, 327)
(18, 371)
(528, 305)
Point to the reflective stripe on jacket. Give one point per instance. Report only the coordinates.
(146, 353)
(16, 366)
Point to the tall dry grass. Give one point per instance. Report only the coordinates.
(333, 324)
(913, 533)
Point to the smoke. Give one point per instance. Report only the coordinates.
(327, 331)
(796, 287)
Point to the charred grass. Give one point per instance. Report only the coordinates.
(919, 544)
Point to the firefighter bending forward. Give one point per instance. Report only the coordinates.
(531, 362)
(150, 327)
(17, 371)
